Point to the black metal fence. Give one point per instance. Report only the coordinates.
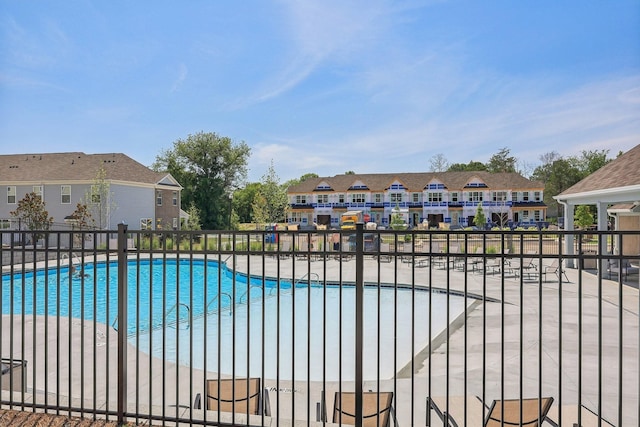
(316, 327)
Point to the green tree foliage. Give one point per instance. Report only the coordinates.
(193, 220)
(31, 212)
(502, 162)
(259, 209)
(296, 181)
(479, 220)
(591, 161)
(472, 166)
(397, 221)
(583, 217)
(243, 202)
(209, 167)
(559, 173)
(273, 197)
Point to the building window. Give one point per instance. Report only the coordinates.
(11, 195)
(536, 215)
(174, 198)
(37, 189)
(5, 224)
(95, 194)
(296, 217)
(323, 198)
(415, 197)
(65, 194)
(454, 196)
(146, 223)
(499, 196)
(377, 198)
(357, 198)
(301, 199)
(159, 198)
(340, 198)
(525, 196)
(475, 196)
(514, 196)
(435, 197)
(537, 197)
(174, 223)
(395, 197)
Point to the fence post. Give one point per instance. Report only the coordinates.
(122, 323)
(359, 322)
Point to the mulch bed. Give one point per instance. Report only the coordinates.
(14, 418)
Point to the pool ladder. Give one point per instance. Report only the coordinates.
(302, 280)
(305, 278)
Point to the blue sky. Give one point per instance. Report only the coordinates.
(322, 86)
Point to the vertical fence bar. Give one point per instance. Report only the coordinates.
(122, 322)
(359, 320)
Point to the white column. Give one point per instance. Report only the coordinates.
(569, 238)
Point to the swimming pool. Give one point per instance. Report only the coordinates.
(305, 331)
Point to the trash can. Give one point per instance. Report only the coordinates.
(13, 369)
(589, 263)
(271, 237)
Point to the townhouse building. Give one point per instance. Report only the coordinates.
(432, 198)
(137, 195)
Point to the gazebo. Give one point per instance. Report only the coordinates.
(615, 190)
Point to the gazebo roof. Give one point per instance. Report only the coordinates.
(618, 181)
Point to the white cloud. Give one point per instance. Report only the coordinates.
(182, 75)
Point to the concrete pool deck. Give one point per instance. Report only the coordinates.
(490, 338)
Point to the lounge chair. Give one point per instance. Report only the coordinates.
(385, 250)
(587, 417)
(509, 412)
(614, 269)
(525, 267)
(239, 395)
(377, 409)
(554, 268)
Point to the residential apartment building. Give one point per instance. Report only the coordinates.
(136, 195)
(434, 198)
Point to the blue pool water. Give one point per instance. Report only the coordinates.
(196, 313)
(168, 290)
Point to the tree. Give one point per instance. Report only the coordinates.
(296, 181)
(397, 220)
(472, 166)
(243, 201)
(349, 173)
(591, 161)
(502, 162)
(583, 217)
(99, 200)
(274, 196)
(32, 213)
(193, 220)
(259, 209)
(82, 217)
(209, 167)
(438, 163)
(479, 220)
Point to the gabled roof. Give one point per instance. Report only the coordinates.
(416, 182)
(617, 181)
(77, 166)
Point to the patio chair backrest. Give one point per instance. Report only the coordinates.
(232, 395)
(533, 412)
(374, 413)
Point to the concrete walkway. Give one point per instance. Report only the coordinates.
(523, 339)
